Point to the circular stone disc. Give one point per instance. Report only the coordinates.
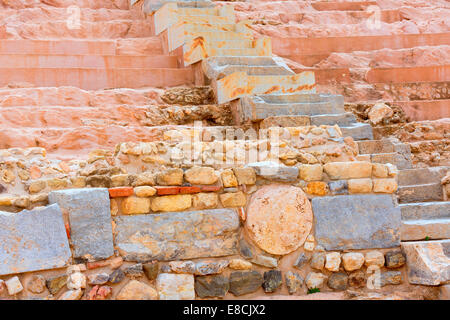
(279, 218)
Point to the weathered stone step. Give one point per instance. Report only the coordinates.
(375, 146)
(428, 262)
(151, 6)
(421, 176)
(336, 100)
(317, 49)
(400, 160)
(420, 193)
(342, 5)
(69, 47)
(255, 109)
(76, 97)
(87, 61)
(218, 36)
(87, 30)
(425, 210)
(218, 67)
(239, 84)
(434, 229)
(98, 4)
(69, 117)
(79, 140)
(40, 14)
(341, 119)
(98, 78)
(359, 131)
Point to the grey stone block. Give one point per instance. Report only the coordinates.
(178, 235)
(356, 222)
(33, 240)
(274, 171)
(90, 221)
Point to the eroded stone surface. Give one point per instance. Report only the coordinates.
(427, 262)
(279, 218)
(356, 222)
(177, 235)
(90, 221)
(33, 240)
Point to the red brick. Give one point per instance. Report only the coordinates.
(121, 192)
(164, 191)
(186, 190)
(97, 264)
(211, 188)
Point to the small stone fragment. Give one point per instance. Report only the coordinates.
(318, 260)
(235, 199)
(144, 191)
(338, 281)
(294, 281)
(265, 261)
(357, 279)
(352, 261)
(14, 285)
(210, 267)
(135, 290)
(245, 176)
(135, 270)
(391, 277)
(99, 293)
(243, 282)
(36, 284)
(151, 270)
(301, 260)
(98, 278)
(333, 261)
(211, 286)
(171, 177)
(206, 200)
(272, 280)
(175, 286)
(76, 281)
(135, 205)
(239, 264)
(116, 277)
(172, 203)
(394, 259)
(201, 175)
(374, 258)
(182, 266)
(56, 284)
(72, 295)
(315, 280)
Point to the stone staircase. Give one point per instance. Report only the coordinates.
(106, 48)
(425, 214)
(366, 50)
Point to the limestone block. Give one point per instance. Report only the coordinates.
(175, 286)
(177, 235)
(360, 185)
(356, 222)
(201, 175)
(207, 200)
(33, 240)
(172, 203)
(311, 172)
(135, 205)
(90, 221)
(233, 199)
(228, 178)
(245, 176)
(348, 170)
(384, 185)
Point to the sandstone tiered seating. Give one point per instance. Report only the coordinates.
(254, 183)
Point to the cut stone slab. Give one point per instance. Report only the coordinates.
(90, 221)
(175, 286)
(279, 218)
(33, 240)
(178, 235)
(356, 222)
(427, 262)
(274, 171)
